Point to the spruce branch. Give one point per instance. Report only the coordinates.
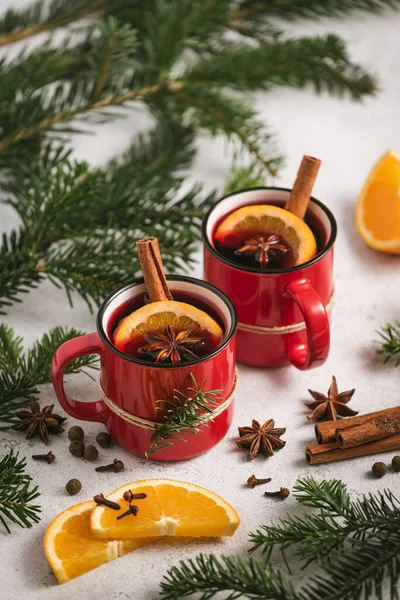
(390, 342)
(185, 414)
(17, 494)
(21, 374)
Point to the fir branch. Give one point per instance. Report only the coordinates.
(390, 347)
(371, 559)
(21, 374)
(185, 414)
(208, 576)
(17, 494)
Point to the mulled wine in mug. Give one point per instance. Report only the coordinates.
(280, 280)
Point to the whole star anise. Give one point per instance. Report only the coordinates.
(261, 247)
(263, 439)
(330, 406)
(172, 346)
(35, 421)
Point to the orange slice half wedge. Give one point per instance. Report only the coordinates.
(171, 508)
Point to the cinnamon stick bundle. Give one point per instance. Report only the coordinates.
(318, 454)
(326, 431)
(376, 429)
(303, 185)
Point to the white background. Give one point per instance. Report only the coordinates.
(349, 138)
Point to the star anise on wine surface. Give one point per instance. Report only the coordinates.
(260, 247)
(330, 406)
(172, 346)
(259, 438)
(41, 422)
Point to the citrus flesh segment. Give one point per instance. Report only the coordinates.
(378, 206)
(171, 508)
(71, 548)
(156, 316)
(260, 219)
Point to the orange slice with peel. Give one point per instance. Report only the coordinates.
(157, 316)
(72, 549)
(378, 206)
(171, 508)
(260, 219)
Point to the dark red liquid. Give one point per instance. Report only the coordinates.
(137, 349)
(276, 259)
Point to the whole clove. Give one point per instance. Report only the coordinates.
(132, 510)
(101, 500)
(129, 496)
(49, 457)
(117, 466)
(282, 493)
(253, 481)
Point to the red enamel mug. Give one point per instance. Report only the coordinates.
(282, 313)
(130, 389)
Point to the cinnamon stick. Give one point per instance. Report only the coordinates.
(376, 429)
(326, 431)
(302, 188)
(319, 454)
(153, 270)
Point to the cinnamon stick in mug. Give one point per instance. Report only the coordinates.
(376, 429)
(303, 185)
(153, 271)
(326, 431)
(319, 454)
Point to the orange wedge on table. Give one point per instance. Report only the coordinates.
(171, 508)
(72, 549)
(156, 316)
(258, 219)
(378, 206)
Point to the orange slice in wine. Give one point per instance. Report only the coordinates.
(378, 206)
(260, 219)
(171, 508)
(157, 317)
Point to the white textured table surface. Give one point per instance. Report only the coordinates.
(349, 138)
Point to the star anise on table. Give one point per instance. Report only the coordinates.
(330, 406)
(259, 438)
(36, 421)
(172, 346)
(261, 247)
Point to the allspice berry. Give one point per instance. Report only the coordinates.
(379, 469)
(104, 439)
(73, 487)
(77, 448)
(76, 434)
(91, 453)
(396, 463)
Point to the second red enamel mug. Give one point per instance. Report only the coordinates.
(282, 313)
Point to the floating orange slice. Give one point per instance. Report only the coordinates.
(378, 206)
(171, 508)
(156, 316)
(72, 549)
(258, 219)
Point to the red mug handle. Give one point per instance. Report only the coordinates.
(67, 352)
(315, 351)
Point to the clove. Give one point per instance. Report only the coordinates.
(117, 466)
(49, 457)
(101, 500)
(132, 510)
(129, 496)
(253, 481)
(282, 493)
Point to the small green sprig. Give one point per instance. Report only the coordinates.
(186, 413)
(390, 347)
(17, 494)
